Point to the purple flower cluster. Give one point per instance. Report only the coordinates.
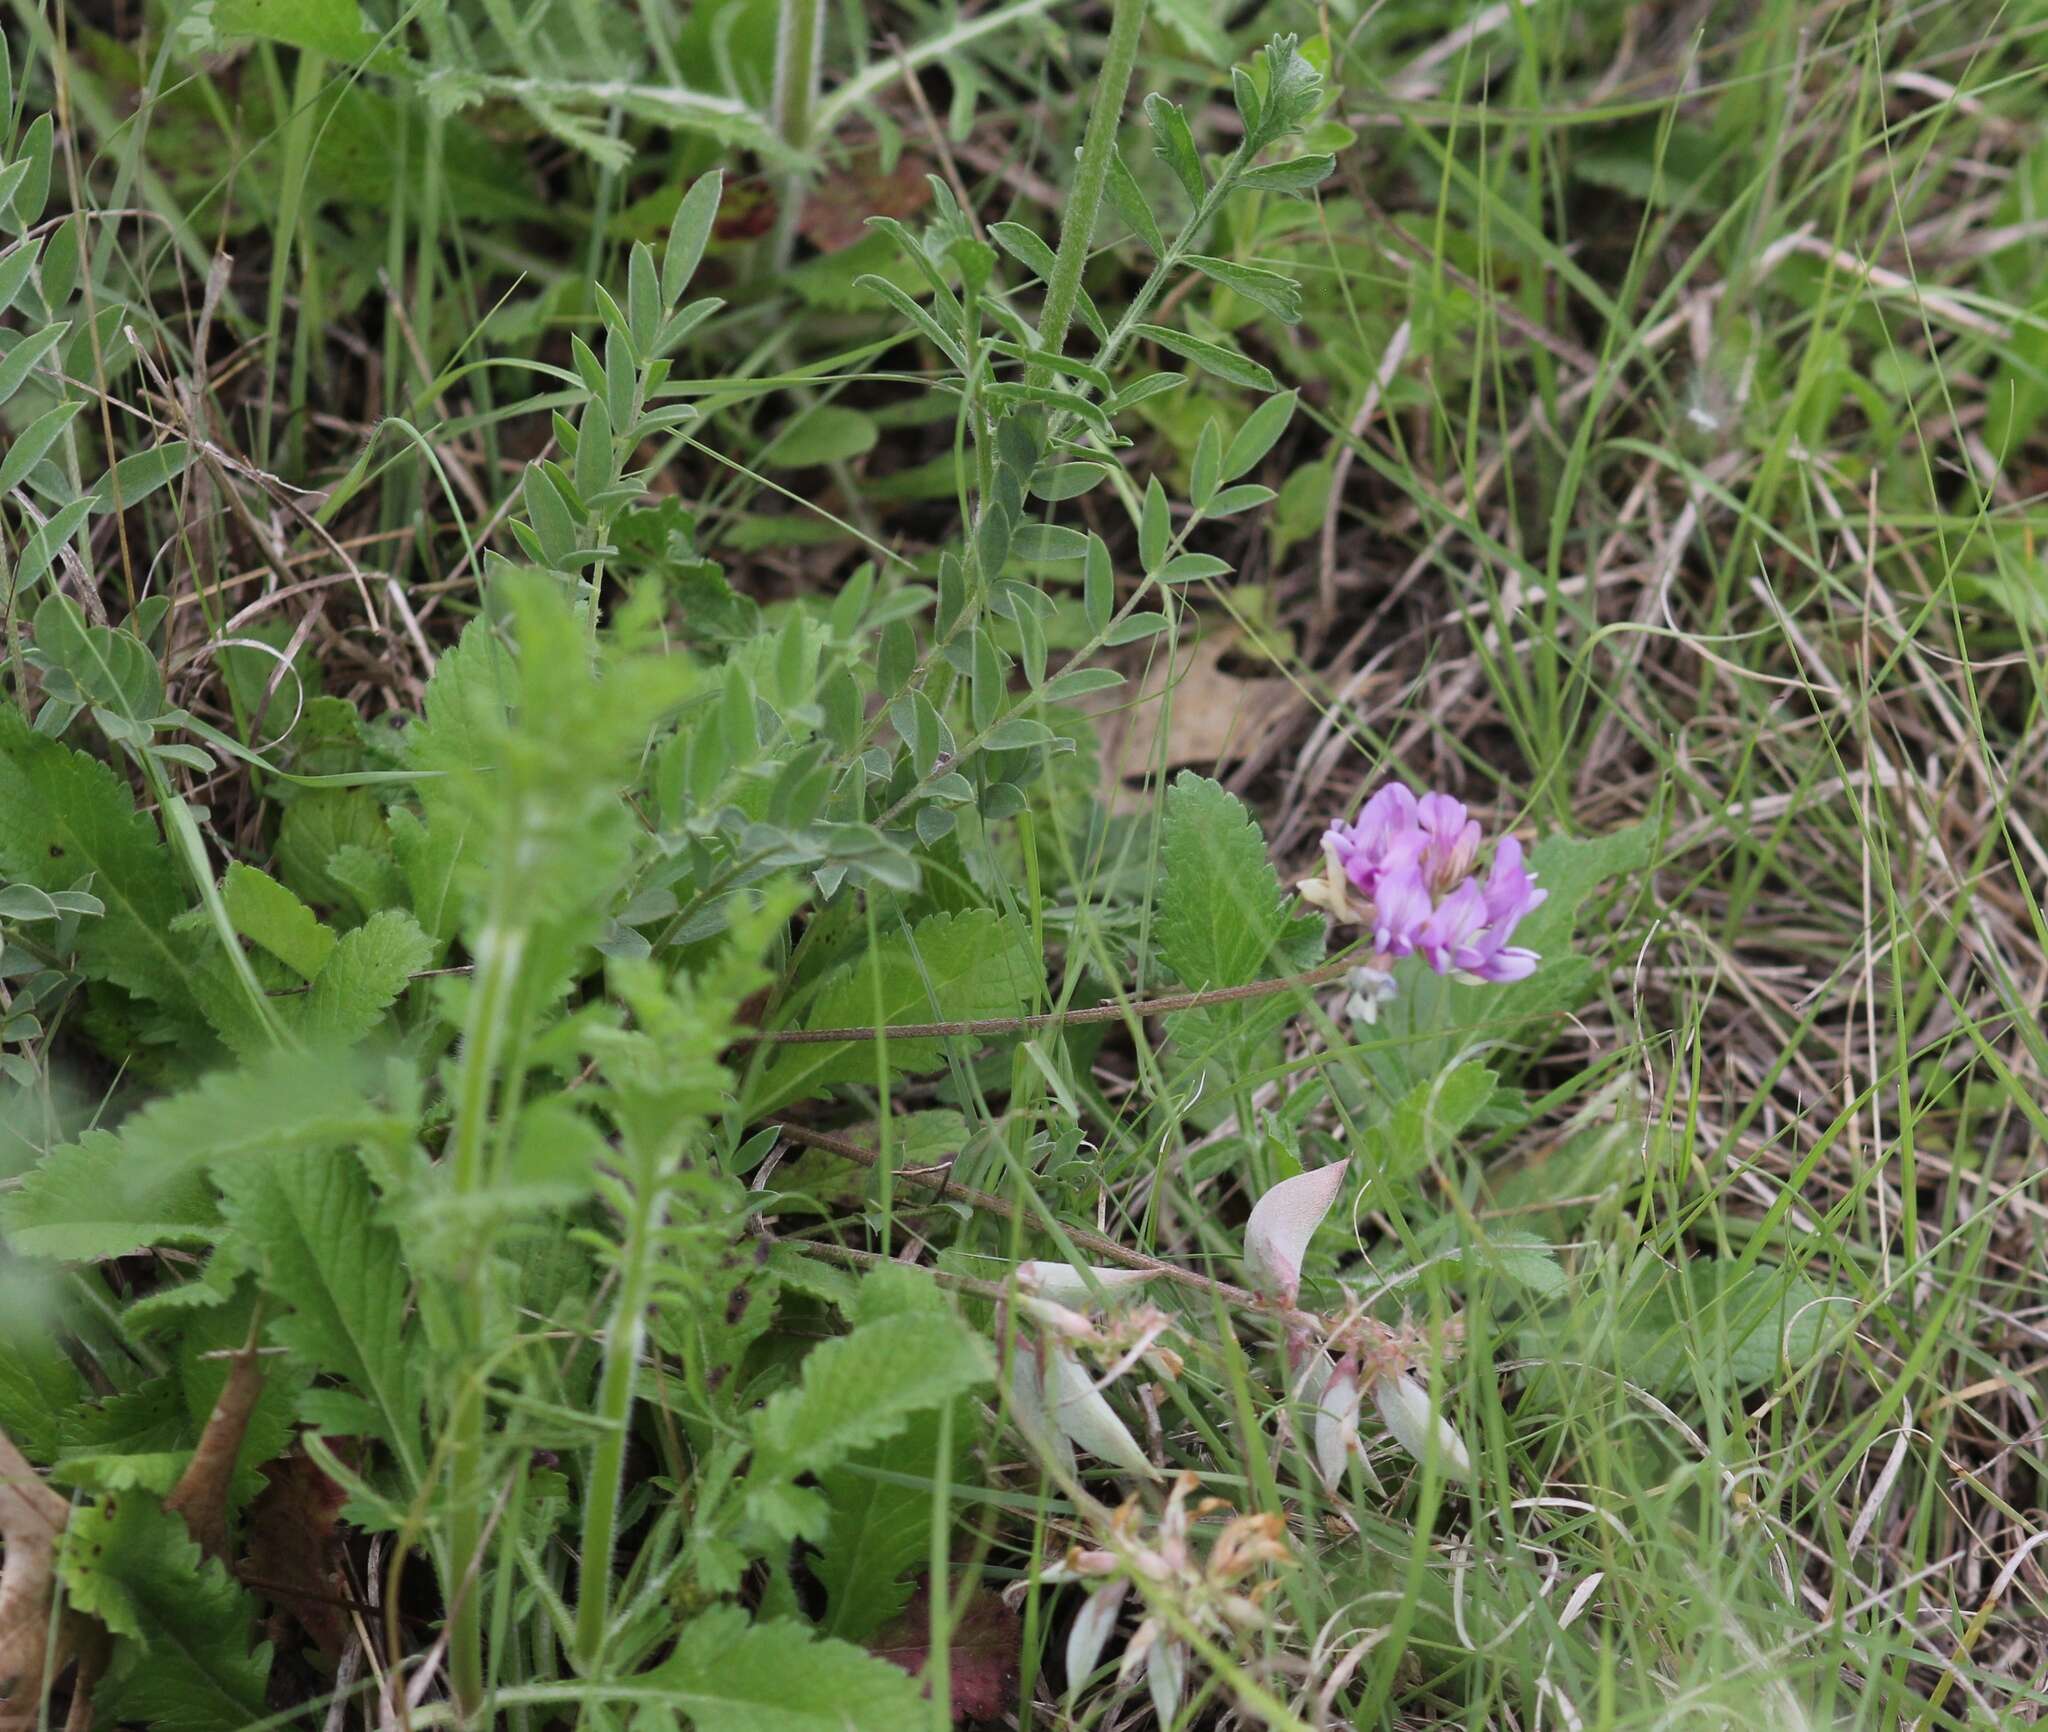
(1410, 862)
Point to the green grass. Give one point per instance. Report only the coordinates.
(1702, 494)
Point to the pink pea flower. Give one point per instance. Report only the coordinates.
(1406, 870)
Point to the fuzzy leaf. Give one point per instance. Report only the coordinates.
(370, 967)
(1283, 1221)
(688, 234)
(266, 913)
(1238, 368)
(729, 1675)
(1223, 918)
(64, 814)
(857, 1390)
(1278, 293)
(189, 1666)
(311, 1218)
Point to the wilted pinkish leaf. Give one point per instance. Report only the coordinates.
(1092, 1627)
(1031, 1407)
(1166, 1676)
(1283, 1222)
(1404, 1404)
(1337, 1423)
(1064, 1284)
(1081, 1413)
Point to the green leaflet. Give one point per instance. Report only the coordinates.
(369, 968)
(729, 1675)
(188, 1666)
(266, 913)
(946, 968)
(906, 1354)
(309, 1220)
(1224, 919)
(112, 1193)
(881, 1531)
(64, 814)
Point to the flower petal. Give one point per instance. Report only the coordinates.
(1417, 1427)
(1283, 1221)
(1066, 1285)
(1079, 1410)
(1092, 1627)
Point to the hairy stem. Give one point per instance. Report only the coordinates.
(799, 36)
(623, 1339)
(1098, 150)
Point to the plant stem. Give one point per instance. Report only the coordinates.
(623, 1338)
(502, 947)
(799, 35)
(1098, 150)
(1047, 1019)
(1093, 1243)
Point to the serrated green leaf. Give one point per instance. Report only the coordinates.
(1223, 919)
(861, 1389)
(370, 967)
(949, 967)
(110, 1194)
(266, 913)
(310, 1221)
(1239, 369)
(728, 1675)
(64, 814)
(191, 1668)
